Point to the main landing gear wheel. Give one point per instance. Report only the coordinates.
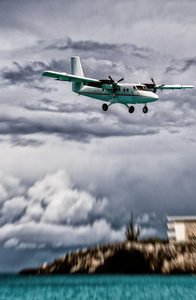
(145, 109)
(131, 109)
(105, 107)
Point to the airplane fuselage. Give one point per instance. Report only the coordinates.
(123, 93)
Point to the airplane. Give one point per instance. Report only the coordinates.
(109, 90)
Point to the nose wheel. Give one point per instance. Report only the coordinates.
(145, 109)
(105, 107)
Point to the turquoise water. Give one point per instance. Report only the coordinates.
(13, 287)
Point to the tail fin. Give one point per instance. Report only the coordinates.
(76, 69)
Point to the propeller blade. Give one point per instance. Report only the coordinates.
(153, 81)
(121, 79)
(110, 77)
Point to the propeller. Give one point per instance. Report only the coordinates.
(156, 85)
(110, 78)
(114, 83)
(154, 90)
(121, 79)
(153, 86)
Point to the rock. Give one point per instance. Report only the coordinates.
(124, 258)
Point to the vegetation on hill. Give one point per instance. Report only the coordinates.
(132, 235)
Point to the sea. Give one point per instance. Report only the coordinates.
(90, 287)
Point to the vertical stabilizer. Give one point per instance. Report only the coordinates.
(76, 69)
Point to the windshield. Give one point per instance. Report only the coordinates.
(141, 87)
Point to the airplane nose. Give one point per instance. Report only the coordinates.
(155, 96)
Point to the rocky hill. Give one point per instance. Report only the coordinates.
(124, 258)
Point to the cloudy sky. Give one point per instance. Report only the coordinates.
(70, 173)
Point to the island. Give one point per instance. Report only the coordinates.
(124, 258)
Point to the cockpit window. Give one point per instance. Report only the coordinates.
(141, 87)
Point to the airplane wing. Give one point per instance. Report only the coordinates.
(69, 77)
(173, 87)
(153, 86)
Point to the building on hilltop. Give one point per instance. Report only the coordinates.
(181, 228)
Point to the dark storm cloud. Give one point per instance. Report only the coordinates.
(22, 125)
(21, 74)
(30, 74)
(47, 105)
(86, 129)
(95, 46)
(188, 64)
(82, 45)
(140, 52)
(181, 66)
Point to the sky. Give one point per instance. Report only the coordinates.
(70, 174)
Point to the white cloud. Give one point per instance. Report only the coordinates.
(34, 212)
(3, 192)
(148, 232)
(11, 243)
(145, 218)
(33, 234)
(9, 186)
(52, 212)
(53, 199)
(12, 209)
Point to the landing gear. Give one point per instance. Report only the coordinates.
(145, 109)
(131, 109)
(105, 107)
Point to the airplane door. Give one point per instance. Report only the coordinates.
(135, 90)
(103, 95)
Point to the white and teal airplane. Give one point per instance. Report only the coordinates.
(109, 90)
